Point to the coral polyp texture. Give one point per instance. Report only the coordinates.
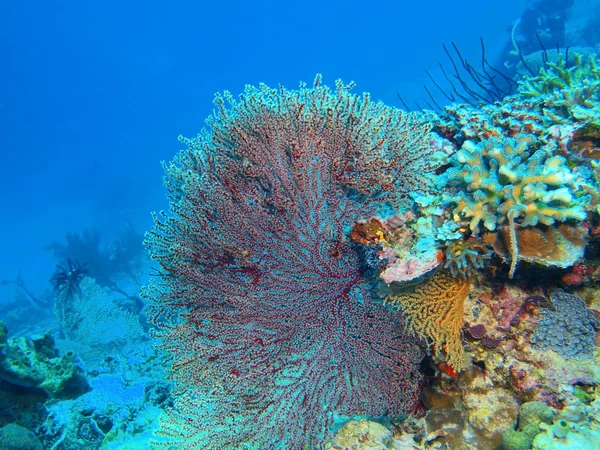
(568, 329)
(261, 296)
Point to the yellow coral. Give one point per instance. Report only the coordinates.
(434, 310)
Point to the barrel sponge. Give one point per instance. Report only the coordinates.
(35, 363)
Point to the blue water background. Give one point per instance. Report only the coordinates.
(94, 94)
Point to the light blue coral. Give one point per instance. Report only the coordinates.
(501, 180)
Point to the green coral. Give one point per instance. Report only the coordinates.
(35, 363)
(516, 440)
(567, 92)
(501, 180)
(531, 415)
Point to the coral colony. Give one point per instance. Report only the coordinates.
(270, 311)
(319, 245)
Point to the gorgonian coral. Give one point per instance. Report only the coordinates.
(434, 309)
(261, 296)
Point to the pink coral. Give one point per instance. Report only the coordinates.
(408, 269)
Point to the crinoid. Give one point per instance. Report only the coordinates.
(67, 281)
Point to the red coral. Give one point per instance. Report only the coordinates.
(261, 296)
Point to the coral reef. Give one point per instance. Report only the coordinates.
(119, 412)
(295, 214)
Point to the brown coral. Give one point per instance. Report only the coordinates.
(559, 246)
(434, 310)
(370, 233)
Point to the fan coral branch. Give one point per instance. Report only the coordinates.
(434, 310)
(261, 296)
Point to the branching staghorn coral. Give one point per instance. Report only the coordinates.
(568, 92)
(510, 181)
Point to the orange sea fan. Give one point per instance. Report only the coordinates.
(434, 310)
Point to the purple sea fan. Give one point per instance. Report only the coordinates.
(260, 296)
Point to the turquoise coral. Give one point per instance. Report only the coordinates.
(500, 179)
(567, 92)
